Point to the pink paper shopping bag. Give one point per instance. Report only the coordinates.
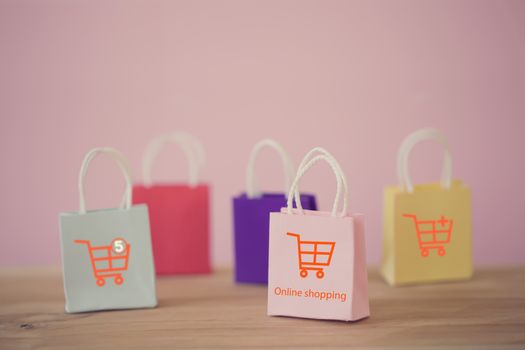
(317, 261)
(179, 212)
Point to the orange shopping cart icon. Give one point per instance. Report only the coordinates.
(432, 234)
(108, 261)
(313, 255)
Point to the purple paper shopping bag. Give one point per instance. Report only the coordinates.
(251, 211)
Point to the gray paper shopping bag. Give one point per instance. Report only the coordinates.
(106, 254)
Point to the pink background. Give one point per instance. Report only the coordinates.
(352, 76)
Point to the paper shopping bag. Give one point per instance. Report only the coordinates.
(251, 216)
(179, 213)
(106, 254)
(427, 228)
(317, 259)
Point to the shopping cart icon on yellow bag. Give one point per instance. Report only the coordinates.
(108, 261)
(432, 234)
(313, 255)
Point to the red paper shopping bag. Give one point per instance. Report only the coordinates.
(179, 213)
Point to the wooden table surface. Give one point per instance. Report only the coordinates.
(212, 312)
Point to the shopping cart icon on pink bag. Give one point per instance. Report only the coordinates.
(313, 255)
(432, 234)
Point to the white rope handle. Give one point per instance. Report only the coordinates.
(252, 188)
(340, 173)
(123, 165)
(406, 147)
(340, 177)
(191, 146)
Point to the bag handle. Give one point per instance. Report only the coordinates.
(252, 188)
(123, 165)
(404, 151)
(309, 156)
(191, 146)
(308, 161)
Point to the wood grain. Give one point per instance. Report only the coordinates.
(487, 312)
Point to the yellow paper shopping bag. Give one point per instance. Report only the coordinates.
(427, 227)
